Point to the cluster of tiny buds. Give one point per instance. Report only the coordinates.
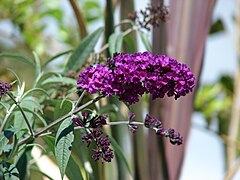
(152, 15)
(153, 123)
(4, 87)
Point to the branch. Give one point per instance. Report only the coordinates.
(57, 121)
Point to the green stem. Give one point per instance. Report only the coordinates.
(23, 114)
(57, 121)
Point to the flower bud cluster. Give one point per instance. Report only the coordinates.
(4, 87)
(102, 150)
(152, 15)
(153, 123)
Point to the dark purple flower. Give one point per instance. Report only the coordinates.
(175, 137)
(132, 128)
(103, 150)
(90, 122)
(131, 116)
(152, 122)
(98, 121)
(4, 87)
(77, 121)
(129, 76)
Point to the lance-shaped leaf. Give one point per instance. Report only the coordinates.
(145, 41)
(83, 51)
(115, 43)
(18, 57)
(63, 144)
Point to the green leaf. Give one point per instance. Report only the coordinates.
(63, 144)
(108, 108)
(115, 43)
(37, 64)
(83, 51)
(5, 105)
(45, 76)
(3, 141)
(9, 170)
(36, 114)
(73, 170)
(217, 26)
(57, 80)
(130, 44)
(33, 101)
(18, 79)
(18, 57)
(117, 149)
(62, 108)
(145, 41)
(55, 57)
(34, 90)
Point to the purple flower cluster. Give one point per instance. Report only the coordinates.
(4, 88)
(103, 150)
(129, 76)
(153, 123)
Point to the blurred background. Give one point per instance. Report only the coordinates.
(203, 34)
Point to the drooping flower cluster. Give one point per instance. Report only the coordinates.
(103, 151)
(153, 123)
(4, 88)
(129, 76)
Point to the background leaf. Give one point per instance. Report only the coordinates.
(83, 51)
(18, 57)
